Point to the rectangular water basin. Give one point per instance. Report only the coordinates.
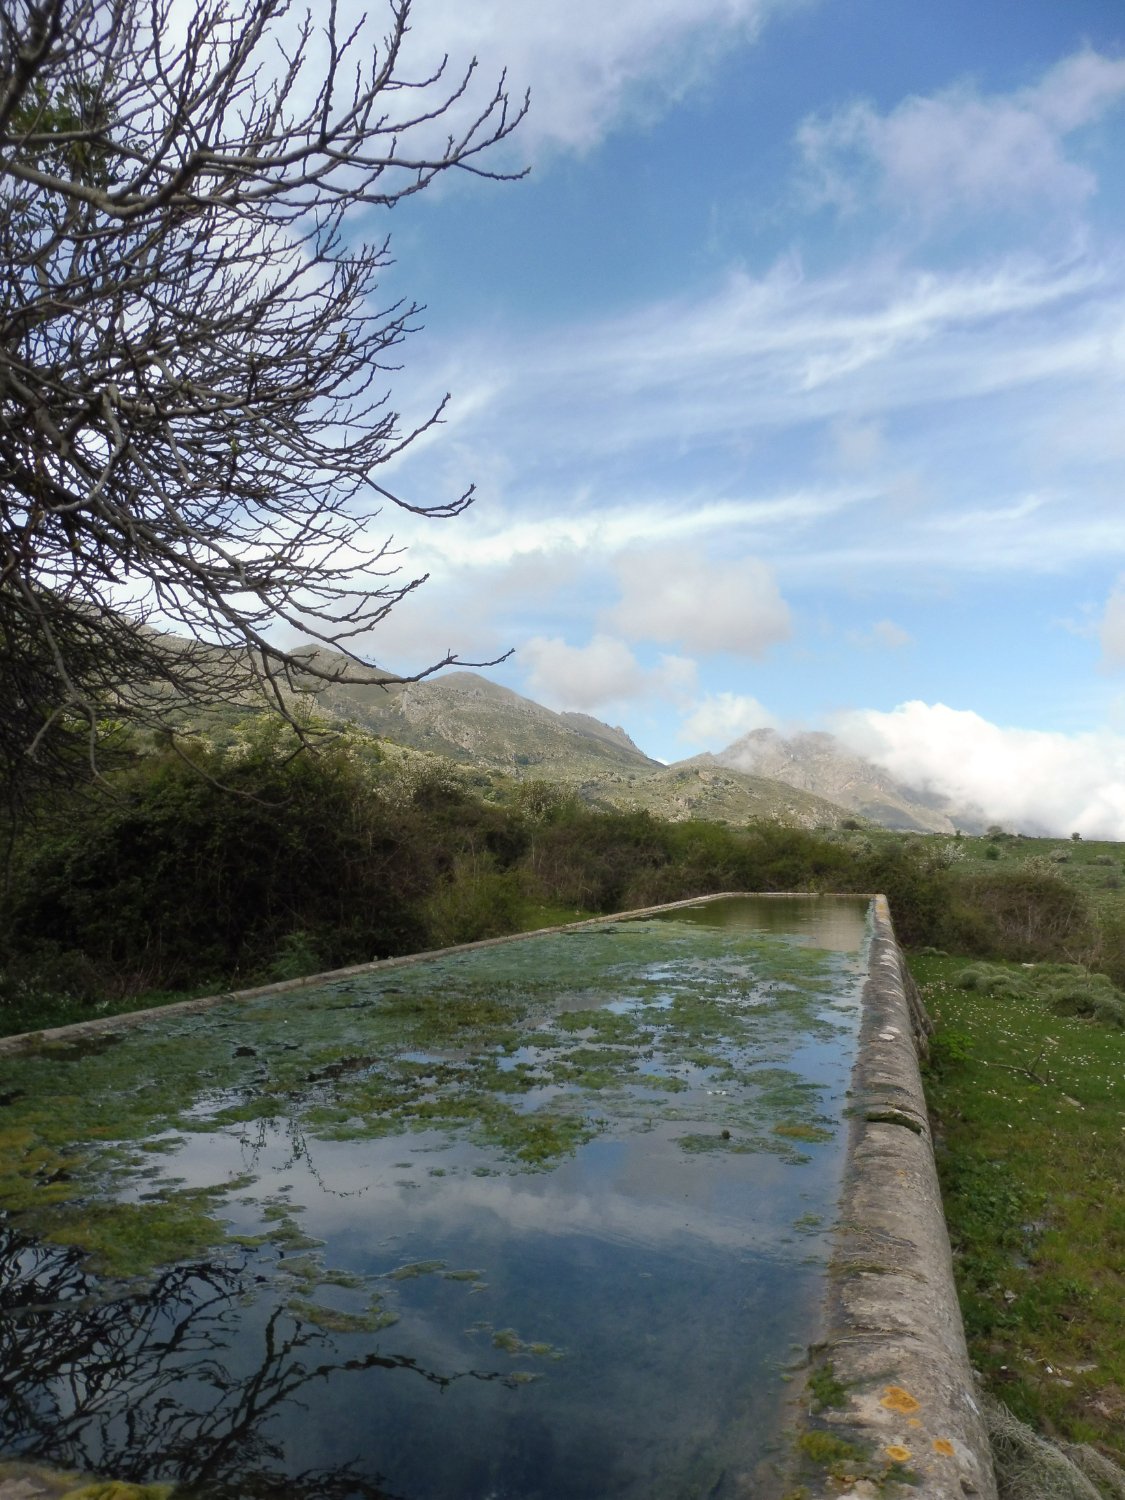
(540, 1219)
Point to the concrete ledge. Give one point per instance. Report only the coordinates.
(894, 1410)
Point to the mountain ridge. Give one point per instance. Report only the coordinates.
(814, 760)
(810, 778)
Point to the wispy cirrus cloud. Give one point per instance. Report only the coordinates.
(755, 355)
(1112, 627)
(965, 383)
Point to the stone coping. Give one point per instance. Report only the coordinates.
(897, 1413)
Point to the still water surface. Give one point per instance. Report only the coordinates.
(542, 1220)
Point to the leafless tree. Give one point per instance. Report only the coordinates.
(193, 364)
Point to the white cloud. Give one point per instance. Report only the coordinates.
(960, 148)
(1028, 780)
(477, 609)
(605, 672)
(719, 718)
(679, 596)
(1112, 629)
(573, 523)
(1079, 89)
(590, 66)
(706, 374)
(884, 633)
(968, 370)
(701, 424)
(887, 633)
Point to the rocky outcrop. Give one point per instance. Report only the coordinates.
(817, 762)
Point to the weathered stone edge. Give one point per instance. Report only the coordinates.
(24, 1040)
(894, 1338)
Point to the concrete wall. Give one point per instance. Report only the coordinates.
(897, 1413)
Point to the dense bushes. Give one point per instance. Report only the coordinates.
(255, 862)
(1024, 914)
(194, 872)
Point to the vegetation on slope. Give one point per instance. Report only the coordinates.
(258, 861)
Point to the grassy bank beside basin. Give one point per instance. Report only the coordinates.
(1028, 1107)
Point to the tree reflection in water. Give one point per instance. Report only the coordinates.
(137, 1383)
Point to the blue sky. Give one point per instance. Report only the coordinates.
(791, 380)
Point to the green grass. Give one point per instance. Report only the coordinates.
(1029, 1114)
(38, 1010)
(825, 1389)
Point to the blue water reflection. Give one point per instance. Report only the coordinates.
(421, 1313)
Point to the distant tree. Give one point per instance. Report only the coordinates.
(193, 409)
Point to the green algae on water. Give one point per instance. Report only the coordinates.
(599, 1143)
(671, 1021)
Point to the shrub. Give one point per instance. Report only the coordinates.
(1084, 994)
(1110, 949)
(180, 878)
(476, 901)
(918, 889)
(296, 956)
(1000, 984)
(1069, 989)
(1021, 915)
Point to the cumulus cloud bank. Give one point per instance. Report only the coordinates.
(719, 718)
(1032, 781)
(683, 598)
(959, 148)
(602, 673)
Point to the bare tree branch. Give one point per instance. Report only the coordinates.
(193, 407)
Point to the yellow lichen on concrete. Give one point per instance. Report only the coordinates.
(898, 1453)
(897, 1399)
(944, 1447)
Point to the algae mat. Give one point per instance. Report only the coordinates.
(541, 1219)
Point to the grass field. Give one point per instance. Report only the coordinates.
(1029, 1121)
